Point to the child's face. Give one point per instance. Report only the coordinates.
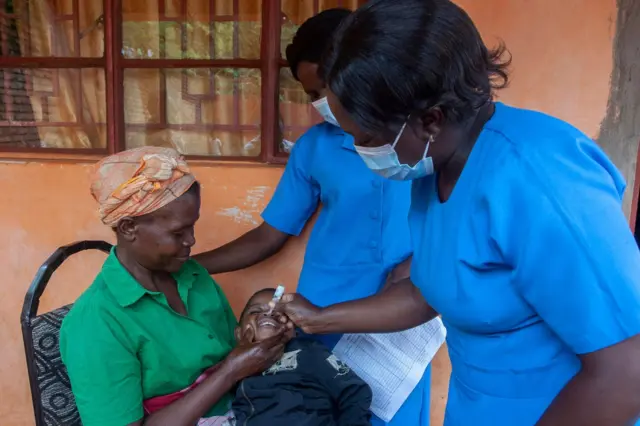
(262, 324)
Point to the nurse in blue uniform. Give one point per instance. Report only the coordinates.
(519, 238)
(362, 231)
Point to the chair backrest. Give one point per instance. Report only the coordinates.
(53, 401)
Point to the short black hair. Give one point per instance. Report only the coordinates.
(391, 58)
(313, 37)
(257, 293)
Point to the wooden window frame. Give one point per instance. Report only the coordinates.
(114, 64)
(32, 62)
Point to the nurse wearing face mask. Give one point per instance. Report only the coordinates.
(361, 233)
(519, 238)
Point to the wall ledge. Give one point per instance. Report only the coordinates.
(74, 158)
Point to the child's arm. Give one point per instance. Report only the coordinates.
(350, 393)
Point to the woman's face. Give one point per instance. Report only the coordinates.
(162, 240)
(411, 143)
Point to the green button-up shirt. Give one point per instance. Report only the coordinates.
(123, 344)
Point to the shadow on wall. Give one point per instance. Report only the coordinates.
(636, 200)
(620, 129)
(635, 206)
(637, 231)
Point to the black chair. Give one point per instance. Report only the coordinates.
(53, 402)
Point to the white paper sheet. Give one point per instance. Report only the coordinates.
(392, 364)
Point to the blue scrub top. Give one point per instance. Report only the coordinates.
(361, 232)
(530, 262)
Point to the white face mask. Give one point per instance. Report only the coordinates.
(384, 161)
(322, 106)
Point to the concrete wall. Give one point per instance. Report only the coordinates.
(563, 63)
(620, 130)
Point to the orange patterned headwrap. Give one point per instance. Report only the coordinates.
(139, 181)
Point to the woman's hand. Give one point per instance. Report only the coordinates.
(247, 359)
(299, 310)
(250, 358)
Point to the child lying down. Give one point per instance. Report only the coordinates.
(309, 386)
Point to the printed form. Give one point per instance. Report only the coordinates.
(392, 364)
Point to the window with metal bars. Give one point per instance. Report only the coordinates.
(204, 76)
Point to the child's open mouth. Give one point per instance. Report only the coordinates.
(268, 322)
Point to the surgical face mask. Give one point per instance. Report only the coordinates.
(384, 161)
(322, 106)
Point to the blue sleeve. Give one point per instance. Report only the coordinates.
(296, 197)
(561, 226)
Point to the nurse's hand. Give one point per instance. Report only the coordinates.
(299, 310)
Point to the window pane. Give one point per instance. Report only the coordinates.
(67, 28)
(296, 112)
(52, 108)
(192, 29)
(203, 111)
(295, 12)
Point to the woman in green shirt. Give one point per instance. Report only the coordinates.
(154, 320)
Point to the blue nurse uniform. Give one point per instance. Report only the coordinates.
(361, 232)
(530, 261)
